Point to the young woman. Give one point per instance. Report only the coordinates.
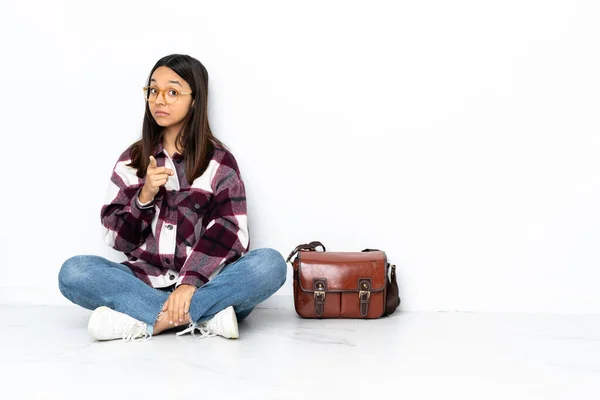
(176, 206)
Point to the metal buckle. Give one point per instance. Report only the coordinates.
(362, 293)
(320, 294)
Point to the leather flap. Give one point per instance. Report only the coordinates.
(341, 269)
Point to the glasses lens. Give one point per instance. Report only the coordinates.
(171, 96)
(150, 94)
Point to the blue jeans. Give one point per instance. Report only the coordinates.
(93, 281)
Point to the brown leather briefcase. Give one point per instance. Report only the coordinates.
(343, 284)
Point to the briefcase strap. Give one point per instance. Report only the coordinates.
(312, 246)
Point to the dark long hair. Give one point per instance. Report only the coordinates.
(195, 137)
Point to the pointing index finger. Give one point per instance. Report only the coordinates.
(164, 170)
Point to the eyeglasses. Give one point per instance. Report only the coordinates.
(170, 95)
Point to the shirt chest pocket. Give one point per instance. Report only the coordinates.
(193, 207)
(196, 204)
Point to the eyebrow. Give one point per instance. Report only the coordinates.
(176, 82)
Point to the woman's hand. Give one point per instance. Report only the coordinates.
(178, 304)
(155, 178)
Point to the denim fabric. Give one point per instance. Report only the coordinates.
(93, 281)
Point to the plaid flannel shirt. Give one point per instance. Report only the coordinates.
(187, 233)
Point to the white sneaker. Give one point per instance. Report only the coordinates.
(108, 324)
(224, 323)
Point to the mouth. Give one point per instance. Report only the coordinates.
(161, 114)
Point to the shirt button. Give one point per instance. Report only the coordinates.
(171, 277)
(178, 161)
(173, 192)
(170, 227)
(196, 206)
(168, 261)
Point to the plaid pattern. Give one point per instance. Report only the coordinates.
(188, 233)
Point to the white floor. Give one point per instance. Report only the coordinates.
(47, 354)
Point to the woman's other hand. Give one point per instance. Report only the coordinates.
(178, 304)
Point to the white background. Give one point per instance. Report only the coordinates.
(461, 137)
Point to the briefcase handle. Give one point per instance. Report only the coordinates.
(312, 246)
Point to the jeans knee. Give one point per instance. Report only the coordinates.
(273, 267)
(73, 271)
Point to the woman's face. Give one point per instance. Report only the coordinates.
(166, 83)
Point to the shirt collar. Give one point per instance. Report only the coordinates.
(159, 149)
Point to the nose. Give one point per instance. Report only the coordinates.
(160, 98)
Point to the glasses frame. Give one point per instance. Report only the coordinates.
(163, 91)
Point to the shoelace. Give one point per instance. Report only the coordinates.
(136, 333)
(192, 327)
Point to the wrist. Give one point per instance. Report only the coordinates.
(144, 196)
(186, 288)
